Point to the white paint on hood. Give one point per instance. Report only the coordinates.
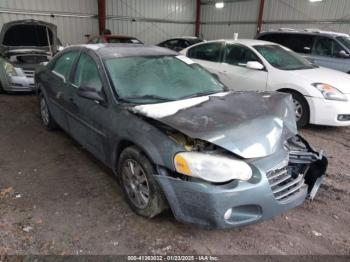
(161, 110)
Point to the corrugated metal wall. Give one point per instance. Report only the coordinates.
(155, 20)
(330, 15)
(74, 18)
(151, 21)
(241, 16)
(236, 17)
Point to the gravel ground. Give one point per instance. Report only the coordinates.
(55, 198)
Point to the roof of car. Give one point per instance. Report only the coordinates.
(247, 42)
(126, 50)
(305, 32)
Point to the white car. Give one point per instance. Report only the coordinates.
(321, 96)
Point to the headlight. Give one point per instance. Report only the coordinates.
(10, 69)
(329, 92)
(212, 168)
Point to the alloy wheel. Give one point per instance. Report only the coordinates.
(135, 183)
(298, 109)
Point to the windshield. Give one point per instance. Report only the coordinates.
(159, 79)
(345, 40)
(283, 58)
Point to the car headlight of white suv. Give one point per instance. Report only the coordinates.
(329, 92)
(10, 69)
(212, 168)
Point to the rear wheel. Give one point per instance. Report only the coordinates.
(302, 111)
(141, 190)
(45, 115)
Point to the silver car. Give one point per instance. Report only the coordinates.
(24, 44)
(328, 49)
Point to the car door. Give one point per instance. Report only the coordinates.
(234, 73)
(208, 55)
(325, 52)
(56, 86)
(87, 118)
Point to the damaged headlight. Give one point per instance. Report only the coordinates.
(329, 92)
(212, 168)
(10, 69)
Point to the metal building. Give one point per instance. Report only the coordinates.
(155, 20)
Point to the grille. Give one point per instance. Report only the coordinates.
(29, 73)
(285, 184)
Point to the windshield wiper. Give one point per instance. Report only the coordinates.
(201, 94)
(154, 97)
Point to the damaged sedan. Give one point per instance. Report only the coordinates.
(24, 44)
(177, 138)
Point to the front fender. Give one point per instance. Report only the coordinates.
(158, 147)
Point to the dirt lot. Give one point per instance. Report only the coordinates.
(57, 199)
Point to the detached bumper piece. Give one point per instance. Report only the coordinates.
(314, 164)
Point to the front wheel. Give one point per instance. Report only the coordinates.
(302, 111)
(46, 118)
(141, 190)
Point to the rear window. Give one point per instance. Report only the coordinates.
(116, 40)
(28, 35)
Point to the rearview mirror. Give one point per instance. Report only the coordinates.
(91, 94)
(254, 65)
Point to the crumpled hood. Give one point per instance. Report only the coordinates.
(335, 78)
(248, 124)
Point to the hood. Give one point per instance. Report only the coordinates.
(28, 34)
(337, 79)
(248, 124)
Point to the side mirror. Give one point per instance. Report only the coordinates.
(254, 65)
(91, 94)
(343, 54)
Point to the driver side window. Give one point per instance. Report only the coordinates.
(239, 55)
(87, 73)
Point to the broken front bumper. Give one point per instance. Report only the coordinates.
(268, 193)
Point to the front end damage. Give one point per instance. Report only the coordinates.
(279, 182)
(285, 170)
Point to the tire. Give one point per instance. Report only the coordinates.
(141, 190)
(302, 110)
(1, 89)
(45, 115)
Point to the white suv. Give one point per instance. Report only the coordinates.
(321, 96)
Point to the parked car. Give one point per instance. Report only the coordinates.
(24, 44)
(179, 43)
(114, 39)
(175, 136)
(328, 49)
(321, 96)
